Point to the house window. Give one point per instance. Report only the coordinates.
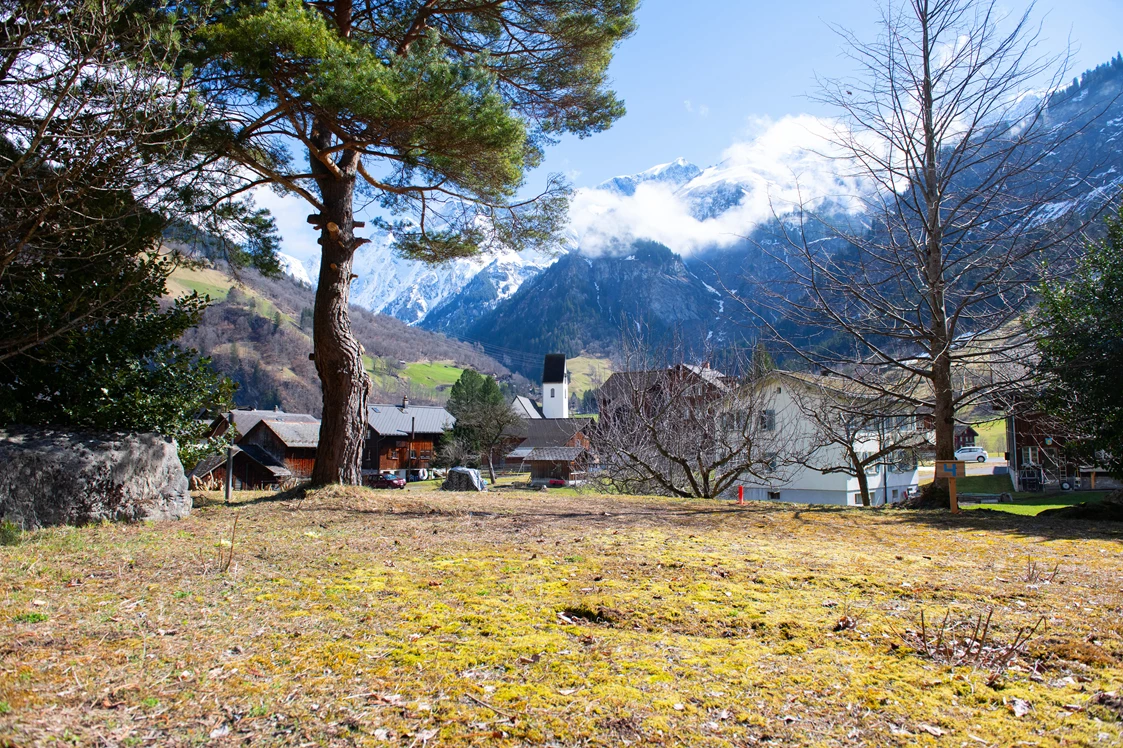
(773, 495)
(768, 420)
(426, 454)
(551, 392)
(392, 454)
(857, 500)
(1030, 456)
(895, 494)
(413, 454)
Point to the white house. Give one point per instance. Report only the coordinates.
(555, 387)
(811, 469)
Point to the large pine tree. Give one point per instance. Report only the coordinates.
(435, 109)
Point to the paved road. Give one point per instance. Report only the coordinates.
(973, 468)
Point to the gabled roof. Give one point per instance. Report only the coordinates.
(251, 452)
(525, 407)
(623, 382)
(396, 420)
(295, 435)
(244, 420)
(553, 369)
(555, 454)
(549, 432)
(553, 432)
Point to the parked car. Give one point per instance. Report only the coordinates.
(388, 480)
(971, 454)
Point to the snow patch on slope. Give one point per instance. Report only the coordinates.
(294, 268)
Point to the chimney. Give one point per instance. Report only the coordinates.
(276, 408)
(705, 364)
(405, 401)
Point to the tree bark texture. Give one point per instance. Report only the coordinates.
(339, 357)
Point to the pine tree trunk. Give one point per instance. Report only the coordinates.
(339, 357)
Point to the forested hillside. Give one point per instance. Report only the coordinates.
(258, 332)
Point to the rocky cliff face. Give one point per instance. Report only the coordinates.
(50, 477)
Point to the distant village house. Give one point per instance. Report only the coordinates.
(402, 439)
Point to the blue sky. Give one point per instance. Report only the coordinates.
(738, 60)
(702, 75)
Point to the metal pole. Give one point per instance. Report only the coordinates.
(229, 472)
(229, 459)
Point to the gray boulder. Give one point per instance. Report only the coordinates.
(53, 477)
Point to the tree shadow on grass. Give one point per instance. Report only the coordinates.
(997, 521)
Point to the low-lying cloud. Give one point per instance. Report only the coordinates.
(781, 165)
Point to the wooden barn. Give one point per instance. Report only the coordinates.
(273, 453)
(555, 449)
(559, 466)
(403, 438)
(291, 443)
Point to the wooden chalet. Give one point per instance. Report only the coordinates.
(291, 443)
(965, 435)
(559, 466)
(403, 438)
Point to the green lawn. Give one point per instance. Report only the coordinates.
(1032, 504)
(587, 372)
(992, 436)
(984, 484)
(433, 374)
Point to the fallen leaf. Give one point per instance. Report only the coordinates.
(1020, 707)
(931, 729)
(220, 731)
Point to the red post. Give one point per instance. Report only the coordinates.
(741, 495)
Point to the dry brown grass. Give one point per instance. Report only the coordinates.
(354, 617)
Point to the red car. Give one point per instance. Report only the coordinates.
(387, 480)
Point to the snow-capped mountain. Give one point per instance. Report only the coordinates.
(294, 268)
(677, 173)
(410, 290)
(718, 221)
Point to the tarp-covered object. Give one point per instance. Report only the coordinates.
(463, 479)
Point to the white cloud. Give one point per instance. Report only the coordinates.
(687, 105)
(298, 238)
(780, 165)
(703, 111)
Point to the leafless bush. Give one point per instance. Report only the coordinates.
(970, 642)
(672, 426)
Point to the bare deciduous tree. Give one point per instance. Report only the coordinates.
(866, 428)
(682, 429)
(971, 202)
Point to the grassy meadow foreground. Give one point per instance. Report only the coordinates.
(354, 617)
